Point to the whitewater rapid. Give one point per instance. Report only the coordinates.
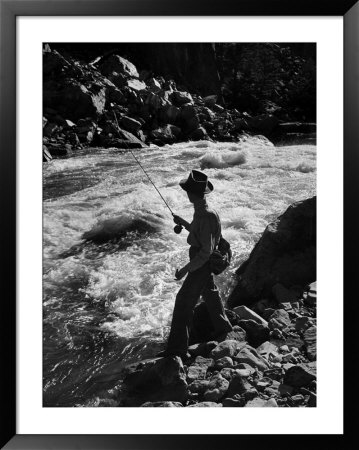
(110, 253)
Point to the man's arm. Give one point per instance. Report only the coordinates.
(207, 240)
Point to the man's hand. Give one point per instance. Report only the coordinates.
(180, 273)
(178, 220)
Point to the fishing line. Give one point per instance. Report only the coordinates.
(138, 162)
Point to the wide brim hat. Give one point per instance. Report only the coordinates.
(197, 183)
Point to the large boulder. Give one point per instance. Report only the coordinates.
(286, 253)
(119, 65)
(75, 101)
(160, 379)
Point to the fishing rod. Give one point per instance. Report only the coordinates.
(178, 228)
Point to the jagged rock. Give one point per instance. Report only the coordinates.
(169, 114)
(310, 339)
(86, 130)
(224, 362)
(198, 386)
(135, 84)
(157, 101)
(285, 253)
(210, 100)
(217, 387)
(267, 349)
(46, 156)
(130, 124)
(226, 348)
(237, 334)
(256, 403)
(124, 140)
(199, 134)
(300, 375)
(202, 349)
(116, 63)
(256, 333)
(217, 108)
(50, 129)
(250, 356)
(58, 149)
(153, 84)
(228, 373)
(189, 118)
(279, 319)
(237, 401)
(311, 297)
(245, 370)
(271, 403)
(198, 369)
(274, 373)
(246, 313)
(162, 404)
(166, 134)
(238, 385)
(160, 379)
(303, 322)
(205, 405)
(181, 98)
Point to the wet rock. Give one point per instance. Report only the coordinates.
(246, 313)
(250, 356)
(135, 84)
(279, 319)
(205, 405)
(226, 348)
(217, 387)
(166, 134)
(300, 375)
(199, 134)
(285, 253)
(256, 333)
(162, 404)
(310, 339)
(59, 150)
(124, 139)
(130, 124)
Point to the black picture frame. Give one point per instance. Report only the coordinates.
(9, 10)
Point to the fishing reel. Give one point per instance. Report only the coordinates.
(177, 229)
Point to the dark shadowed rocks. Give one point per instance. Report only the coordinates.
(285, 253)
(300, 375)
(162, 379)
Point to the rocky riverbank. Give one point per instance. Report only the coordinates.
(109, 102)
(269, 359)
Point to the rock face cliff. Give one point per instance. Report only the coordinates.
(285, 255)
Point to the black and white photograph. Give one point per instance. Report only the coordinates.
(179, 224)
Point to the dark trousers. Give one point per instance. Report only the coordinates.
(197, 283)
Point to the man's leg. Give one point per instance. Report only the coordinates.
(215, 307)
(186, 300)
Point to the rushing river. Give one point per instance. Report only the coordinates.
(110, 253)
